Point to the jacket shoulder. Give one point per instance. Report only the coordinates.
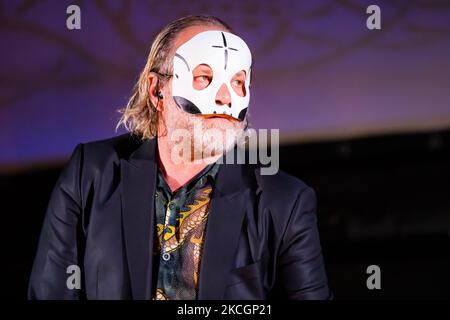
(120, 147)
(282, 184)
(284, 194)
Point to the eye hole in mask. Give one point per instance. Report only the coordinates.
(202, 76)
(238, 83)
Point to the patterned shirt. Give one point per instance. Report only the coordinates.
(181, 219)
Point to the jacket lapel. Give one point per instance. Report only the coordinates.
(227, 210)
(138, 189)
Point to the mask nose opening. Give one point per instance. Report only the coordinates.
(223, 96)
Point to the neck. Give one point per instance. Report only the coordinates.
(178, 174)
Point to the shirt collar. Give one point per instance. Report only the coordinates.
(206, 175)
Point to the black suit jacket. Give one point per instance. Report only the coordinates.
(261, 238)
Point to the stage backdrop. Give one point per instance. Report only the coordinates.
(319, 72)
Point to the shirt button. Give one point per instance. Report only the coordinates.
(171, 206)
(166, 256)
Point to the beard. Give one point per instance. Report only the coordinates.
(195, 138)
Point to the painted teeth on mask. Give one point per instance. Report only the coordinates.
(214, 112)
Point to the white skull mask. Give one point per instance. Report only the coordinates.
(226, 54)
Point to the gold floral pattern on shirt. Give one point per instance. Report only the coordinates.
(188, 221)
(181, 219)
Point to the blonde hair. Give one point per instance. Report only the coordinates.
(140, 116)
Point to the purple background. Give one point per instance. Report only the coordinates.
(319, 73)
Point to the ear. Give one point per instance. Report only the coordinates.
(153, 86)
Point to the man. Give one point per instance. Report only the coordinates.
(132, 217)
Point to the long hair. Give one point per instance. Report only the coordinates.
(140, 116)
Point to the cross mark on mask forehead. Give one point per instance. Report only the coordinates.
(225, 46)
